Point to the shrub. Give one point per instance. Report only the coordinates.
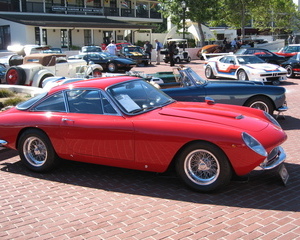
(13, 101)
(4, 93)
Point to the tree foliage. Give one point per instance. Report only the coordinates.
(272, 15)
(199, 11)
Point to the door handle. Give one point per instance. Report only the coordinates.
(67, 119)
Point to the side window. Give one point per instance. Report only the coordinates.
(89, 101)
(84, 101)
(55, 103)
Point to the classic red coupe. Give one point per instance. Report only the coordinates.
(126, 122)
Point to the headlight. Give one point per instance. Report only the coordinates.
(253, 144)
(271, 119)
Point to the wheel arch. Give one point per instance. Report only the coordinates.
(26, 129)
(39, 75)
(173, 161)
(259, 96)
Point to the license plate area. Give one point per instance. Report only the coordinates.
(283, 173)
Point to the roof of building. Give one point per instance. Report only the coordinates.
(67, 21)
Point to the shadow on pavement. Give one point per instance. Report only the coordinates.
(263, 190)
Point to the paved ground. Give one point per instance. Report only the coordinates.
(83, 201)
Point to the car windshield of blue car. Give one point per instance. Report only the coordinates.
(138, 96)
(193, 77)
(249, 60)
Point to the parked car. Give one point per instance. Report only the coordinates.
(53, 50)
(88, 49)
(121, 45)
(263, 54)
(109, 62)
(184, 84)
(244, 67)
(292, 65)
(212, 48)
(182, 55)
(136, 53)
(2, 72)
(289, 50)
(37, 67)
(127, 122)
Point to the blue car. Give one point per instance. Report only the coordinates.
(109, 62)
(187, 85)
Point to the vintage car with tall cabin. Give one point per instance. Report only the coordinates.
(37, 67)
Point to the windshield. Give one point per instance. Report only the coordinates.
(197, 79)
(133, 49)
(138, 96)
(106, 55)
(249, 60)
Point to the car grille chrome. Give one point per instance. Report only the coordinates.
(275, 158)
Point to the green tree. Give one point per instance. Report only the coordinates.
(265, 14)
(199, 11)
(280, 15)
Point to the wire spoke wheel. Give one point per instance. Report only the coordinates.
(35, 151)
(202, 167)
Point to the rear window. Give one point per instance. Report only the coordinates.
(27, 104)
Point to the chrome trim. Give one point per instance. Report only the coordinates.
(3, 142)
(282, 109)
(279, 158)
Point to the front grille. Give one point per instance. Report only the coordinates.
(272, 157)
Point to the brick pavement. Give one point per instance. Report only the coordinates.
(84, 201)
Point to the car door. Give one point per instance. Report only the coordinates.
(226, 67)
(62, 68)
(94, 128)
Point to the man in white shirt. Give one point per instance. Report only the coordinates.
(111, 48)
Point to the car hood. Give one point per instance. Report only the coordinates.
(124, 60)
(219, 114)
(264, 66)
(135, 53)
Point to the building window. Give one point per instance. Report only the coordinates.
(87, 37)
(64, 38)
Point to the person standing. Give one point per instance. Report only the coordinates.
(111, 48)
(148, 49)
(158, 47)
(233, 44)
(171, 51)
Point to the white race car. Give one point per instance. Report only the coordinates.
(37, 67)
(244, 67)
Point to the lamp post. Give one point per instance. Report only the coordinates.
(183, 5)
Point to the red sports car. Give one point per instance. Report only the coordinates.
(126, 122)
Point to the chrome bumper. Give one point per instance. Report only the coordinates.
(275, 158)
(2, 142)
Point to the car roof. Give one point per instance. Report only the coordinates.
(101, 83)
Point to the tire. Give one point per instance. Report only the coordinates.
(96, 73)
(15, 76)
(242, 75)
(209, 72)
(188, 59)
(112, 67)
(262, 103)
(290, 72)
(146, 63)
(203, 167)
(36, 151)
(177, 60)
(42, 79)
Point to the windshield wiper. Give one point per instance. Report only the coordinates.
(143, 109)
